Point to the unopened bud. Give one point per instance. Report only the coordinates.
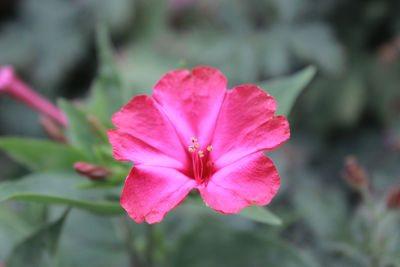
(52, 129)
(354, 174)
(12, 85)
(393, 198)
(97, 126)
(93, 172)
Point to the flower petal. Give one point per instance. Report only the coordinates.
(246, 124)
(251, 179)
(129, 148)
(192, 100)
(149, 129)
(150, 192)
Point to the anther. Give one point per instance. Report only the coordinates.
(209, 148)
(196, 145)
(201, 153)
(193, 140)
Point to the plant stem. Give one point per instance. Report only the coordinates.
(149, 245)
(134, 259)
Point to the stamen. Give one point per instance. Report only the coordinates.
(202, 166)
(201, 153)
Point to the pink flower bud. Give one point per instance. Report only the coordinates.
(52, 129)
(97, 126)
(354, 174)
(93, 172)
(12, 85)
(393, 198)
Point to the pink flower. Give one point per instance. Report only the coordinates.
(195, 134)
(13, 86)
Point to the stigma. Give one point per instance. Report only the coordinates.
(202, 166)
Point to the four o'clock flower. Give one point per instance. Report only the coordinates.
(193, 133)
(12, 85)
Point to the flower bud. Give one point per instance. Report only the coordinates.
(91, 171)
(13, 86)
(354, 174)
(393, 198)
(97, 126)
(52, 129)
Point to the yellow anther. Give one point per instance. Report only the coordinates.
(193, 139)
(191, 148)
(196, 145)
(201, 153)
(209, 148)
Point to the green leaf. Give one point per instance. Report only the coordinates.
(40, 248)
(40, 155)
(11, 221)
(286, 90)
(60, 188)
(98, 240)
(235, 247)
(12, 229)
(255, 213)
(79, 131)
(107, 87)
(260, 214)
(327, 217)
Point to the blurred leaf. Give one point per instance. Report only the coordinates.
(79, 131)
(316, 43)
(349, 251)
(151, 19)
(351, 100)
(323, 209)
(210, 243)
(40, 155)
(255, 213)
(392, 260)
(107, 88)
(110, 182)
(260, 214)
(90, 240)
(276, 50)
(141, 67)
(58, 188)
(12, 229)
(286, 90)
(39, 249)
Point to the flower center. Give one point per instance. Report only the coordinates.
(202, 166)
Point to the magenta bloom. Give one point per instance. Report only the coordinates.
(12, 85)
(195, 134)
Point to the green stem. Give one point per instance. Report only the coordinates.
(134, 259)
(149, 245)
